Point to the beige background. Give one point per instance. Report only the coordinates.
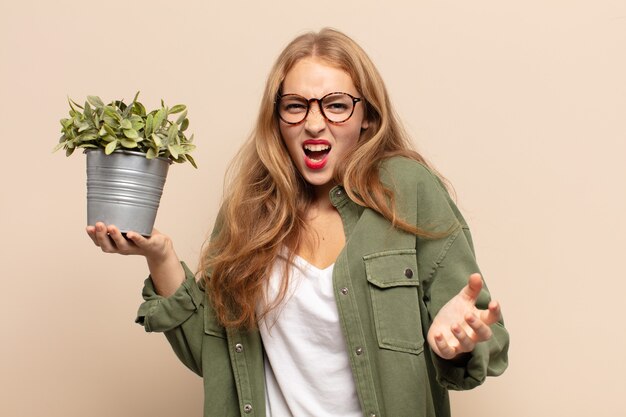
(520, 104)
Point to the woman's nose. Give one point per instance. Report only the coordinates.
(315, 120)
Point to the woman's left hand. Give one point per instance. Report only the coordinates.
(459, 325)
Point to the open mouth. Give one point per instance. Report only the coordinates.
(316, 152)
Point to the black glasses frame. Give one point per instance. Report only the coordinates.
(319, 104)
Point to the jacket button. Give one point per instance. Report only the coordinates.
(339, 192)
(344, 291)
(408, 273)
(359, 351)
(373, 415)
(238, 348)
(247, 408)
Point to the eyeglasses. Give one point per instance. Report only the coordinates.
(335, 107)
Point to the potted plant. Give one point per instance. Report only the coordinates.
(129, 151)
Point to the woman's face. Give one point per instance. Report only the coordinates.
(316, 145)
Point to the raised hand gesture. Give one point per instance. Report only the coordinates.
(459, 325)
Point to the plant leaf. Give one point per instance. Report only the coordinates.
(88, 136)
(177, 108)
(148, 128)
(185, 125)
(172, 133)
(131, 133)
(88, 112)
(157, 140)
(136, 122)
(128, 143)
(95, 101)
(112, 112)
(109, 130)
(59, 146)
(110, 147)
(182, 117)
(191, 161)
(158, 120)
(139, 109)
(75, 104)
(151, 154)
(172, 151)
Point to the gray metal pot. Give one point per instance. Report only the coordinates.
(124, 189)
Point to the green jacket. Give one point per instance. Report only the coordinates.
(388, 284)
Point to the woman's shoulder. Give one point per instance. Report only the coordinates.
(402, 172)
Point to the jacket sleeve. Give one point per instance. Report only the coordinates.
(180, 317)
(447, 263)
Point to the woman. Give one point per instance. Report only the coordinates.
(340, 279)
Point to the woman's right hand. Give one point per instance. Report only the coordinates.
(165, 268)
(110, 240)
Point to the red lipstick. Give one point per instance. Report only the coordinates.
(316, 153)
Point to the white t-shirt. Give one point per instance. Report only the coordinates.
(307, 370)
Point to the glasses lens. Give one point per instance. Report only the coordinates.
(337, 107)
(292, 108)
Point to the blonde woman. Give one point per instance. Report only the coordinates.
(340, 278)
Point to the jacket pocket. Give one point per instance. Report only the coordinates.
(394, 283)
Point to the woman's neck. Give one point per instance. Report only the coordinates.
(322, 197)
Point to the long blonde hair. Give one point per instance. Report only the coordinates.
(265, 208)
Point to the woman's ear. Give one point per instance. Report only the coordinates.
(365, 124)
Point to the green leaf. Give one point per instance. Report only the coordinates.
(83, 126)
(151, 154)
(191, 161)
(185, 125)
(131, 133)
(59, 146)
(126, 124)
(157, 140)
(75, 104)
(69, 151)
(128, 143)
(139, 109)
(158, 119)
(95, 101)
(188, 147)
(182, 117)
(110, 147)
(88, 136)
(88, 112)
(148, 129)
(109, 121)
(109, 138)
(177, 108)
(136, 122)
(172, 151)
(172, 134)
(102, 131)
(112, 112)
(110, 130)
(66, 123)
